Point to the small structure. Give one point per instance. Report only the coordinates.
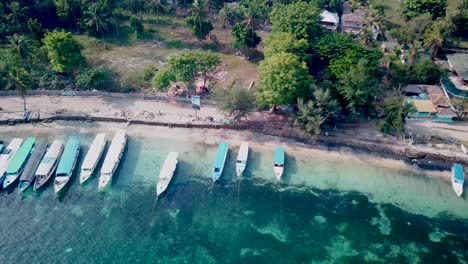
(457, 82)
(429, 101)
(411, 90)
(424, 108)
(353, 22)
(329, 20)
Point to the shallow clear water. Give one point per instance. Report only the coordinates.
(327, 210)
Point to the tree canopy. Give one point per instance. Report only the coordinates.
(414, 8)
(244, 37)
(63, 50)
(282, 79)
(278, 42)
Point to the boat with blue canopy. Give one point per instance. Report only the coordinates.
(17, 164)
(67, 163)
(458, 178)
(278, 161)
(29, 172)
(220, 160)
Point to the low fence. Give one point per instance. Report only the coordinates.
(87, 94)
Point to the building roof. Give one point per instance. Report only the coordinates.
(446, 112)
(357, 16)
(412, 88)
(330, 17)
(459, 63)
(437, 96)
(425, 106)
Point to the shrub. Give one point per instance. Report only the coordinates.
(144, 78)
(100, 79)
(51, 81)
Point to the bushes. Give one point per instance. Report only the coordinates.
(99, 79)
(423, 71)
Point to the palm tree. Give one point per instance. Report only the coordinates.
(254, 13)
(96, 17)
(20, 45)
(198, 10)
(414, 52)
(434, 39)
(228, 16)
(20, 80)
(308, 117)
(17, 15)
(156, 6)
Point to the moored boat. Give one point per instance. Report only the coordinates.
(242, 158)
(67, 163)
(278, 161)
(92, 157)
(167, 172)
(112, 159)
(29, 173)
(7, 156)
(220, 160)
(16, 166)
(458, 178)
(1, 146)
(48, 163)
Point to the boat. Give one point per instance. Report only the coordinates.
(1, 146)
(242, 158)
(220, 159)
(49, 163)
(458, 178)
(278, 160)
(67, 163)
(112, 159)
(92, 157)
(16, 166)
(29, 173)
(7, 156)
(463, 148)
(167, 172)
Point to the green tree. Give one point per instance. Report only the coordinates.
(63, 51)
(137, 26)
(96, 18)
(162, 79)
(333, 45)
(255, 13)
(228, 16)
(17, 14)
(461, 20)
(100, 79)
(200, 26)
(300, 19)
(157, 7)
(358, 86)
(20, 80)
(278, 42)
(21, 46)
(436, 37)
(245, 38)
(426, 71)
(414, 8)
(236, 101)
(282, 79)
(318, 114)
(351, 57)
(413, 30)
(396, 111)
(65, 8)
(36, 31)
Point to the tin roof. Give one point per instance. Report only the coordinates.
(459, 63)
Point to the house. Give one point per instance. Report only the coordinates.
(456, 84)
(329, 20)
(440, 101)
(353, 22)
(411, 90)
(423, 108)
(429, 101)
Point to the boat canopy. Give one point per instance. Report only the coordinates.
(94, 152)
(5, 158)
(279, 156)
(20, 157)
(458, 172)
(220, 156)
(34, 160)
(50, 157)
(113, 154)
(65, 166)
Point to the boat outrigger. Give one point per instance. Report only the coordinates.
(220, 160)
(112, 159)
(242, 158)
(278, 160)
(67, 163)
(92, 157)
(458, 178)
(7, 156)
(17, 164)
(167, 172)
(29, 172)
(49, 163)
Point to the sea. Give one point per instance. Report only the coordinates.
(327, 209)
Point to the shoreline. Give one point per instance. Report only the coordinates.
(256, 140)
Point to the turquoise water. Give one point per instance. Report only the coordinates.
(328, 210)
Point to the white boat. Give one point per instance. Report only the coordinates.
(242, 158)
(458, 178)
(92, 157)
(463, 149)
(7, 155)
(167, 172)
(49, 163)
(278, 166)
(112, 158)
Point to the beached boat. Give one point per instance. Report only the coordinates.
(92, 157)
(1, 146)
(67, 163)
(278, 160)
(242, 158)
(458, 178)
(16, 166)
(49, 163)
(7, 156)
(29, 173)
(220, 159)
(112, 159)
(167, 172)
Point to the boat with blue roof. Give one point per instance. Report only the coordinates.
(17, 164)
(67, 163)
(278, 161)
(220, 160)
(458, 178)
